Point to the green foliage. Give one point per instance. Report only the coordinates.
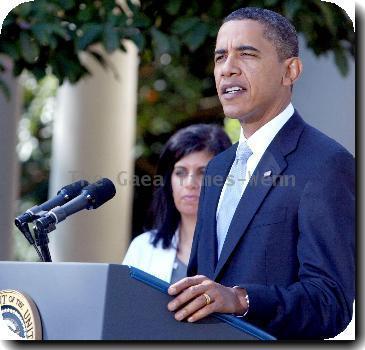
(232, 128)
(52, 33)
(34, 150)
(35, 135)
(43, 35)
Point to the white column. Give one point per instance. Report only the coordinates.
(326, 99)
(9, 117)
(94, 135)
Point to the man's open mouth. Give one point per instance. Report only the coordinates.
(232, 89)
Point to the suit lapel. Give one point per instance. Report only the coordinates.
(273, 162)
(214, 180)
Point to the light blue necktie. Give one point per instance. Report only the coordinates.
(233, 193)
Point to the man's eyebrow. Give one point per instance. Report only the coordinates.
(247, 48)
(220, 52)
(239, 48)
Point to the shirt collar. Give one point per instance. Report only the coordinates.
(260, 140)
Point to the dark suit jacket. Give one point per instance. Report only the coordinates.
(291, 240)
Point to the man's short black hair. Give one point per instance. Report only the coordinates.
(278, 29)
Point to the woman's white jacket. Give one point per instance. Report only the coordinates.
(153, 260)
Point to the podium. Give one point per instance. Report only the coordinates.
(95, 301)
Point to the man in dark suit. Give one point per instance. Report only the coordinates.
(278, 247)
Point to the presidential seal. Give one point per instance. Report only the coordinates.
(20, 314)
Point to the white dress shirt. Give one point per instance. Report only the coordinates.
(258, 143)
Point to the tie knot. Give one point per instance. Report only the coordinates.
(243, 152)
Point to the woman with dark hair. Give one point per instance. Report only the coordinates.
(164, 250)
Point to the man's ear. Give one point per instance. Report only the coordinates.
(293, 70)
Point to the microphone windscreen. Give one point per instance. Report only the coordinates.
(100, 192)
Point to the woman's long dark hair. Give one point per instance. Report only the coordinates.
(198, 137)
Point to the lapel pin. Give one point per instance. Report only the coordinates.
(267, 173)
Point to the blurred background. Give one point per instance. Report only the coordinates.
(92, 89)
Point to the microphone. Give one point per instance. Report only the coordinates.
(91, 197)
(63, 196)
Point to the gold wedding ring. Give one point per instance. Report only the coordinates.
(208, 299)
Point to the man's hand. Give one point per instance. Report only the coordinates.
(192, 304)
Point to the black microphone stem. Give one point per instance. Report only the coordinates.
(39, 253)
(24, 229)
(42, 241)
